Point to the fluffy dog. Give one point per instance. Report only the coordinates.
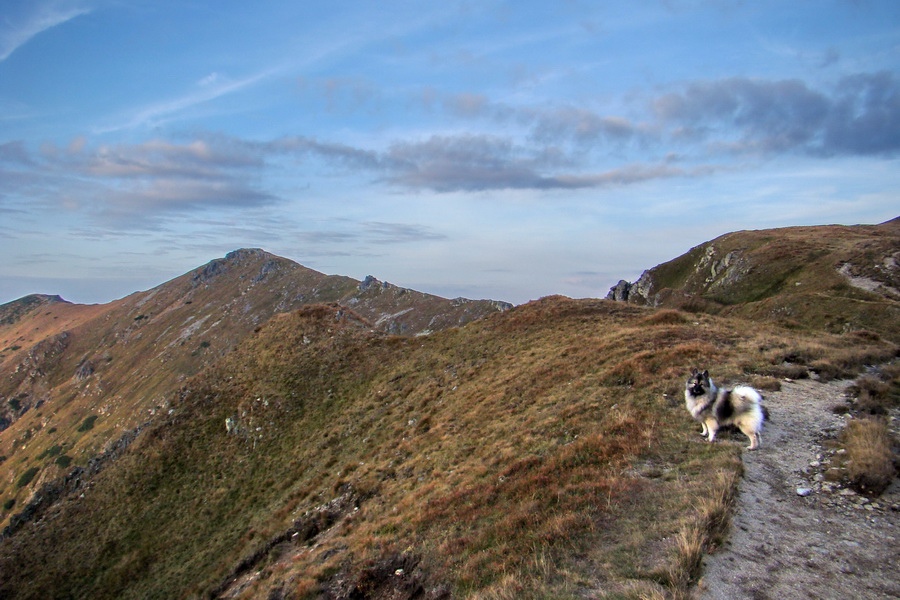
(714, 407)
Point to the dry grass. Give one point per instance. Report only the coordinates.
(531, 455)
(870, 456)
(869, 463)
(705, 529)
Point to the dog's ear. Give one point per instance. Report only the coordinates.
(705, 374)
(694, 371)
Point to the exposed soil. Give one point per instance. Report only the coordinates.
(795, 535)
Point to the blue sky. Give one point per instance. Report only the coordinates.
(488, 149)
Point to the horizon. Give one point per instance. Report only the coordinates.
(496, 150)
(334, 274)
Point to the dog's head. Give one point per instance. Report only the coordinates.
(698, 384)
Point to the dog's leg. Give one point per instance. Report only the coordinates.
(711, 427)
(751, 433)
(754, 439)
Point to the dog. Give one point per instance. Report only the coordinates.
(714, 407)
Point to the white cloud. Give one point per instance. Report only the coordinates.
(208, 88)
(24, 20)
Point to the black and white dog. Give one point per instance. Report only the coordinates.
(715, 407)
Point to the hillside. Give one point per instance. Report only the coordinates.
(540, 452)
(834, 278)
(75, 378)
(254, 429)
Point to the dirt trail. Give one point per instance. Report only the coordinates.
(829, 544)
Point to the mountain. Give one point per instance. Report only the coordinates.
(541, 451)
(109, 368)
(835, 278)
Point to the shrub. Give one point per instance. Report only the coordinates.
(9, 503)
(50, 452)
(14, 404)
(63, 461)
(26, 477)
(870, 466)
(88, 423)
(873, 395)
(829, 371)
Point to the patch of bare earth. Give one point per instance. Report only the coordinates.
(794, 534)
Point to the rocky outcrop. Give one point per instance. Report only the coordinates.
(639, 292)
(84, 370)
(620, 291)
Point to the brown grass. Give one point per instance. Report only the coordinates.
(870, 457)
(706, 529)
(533, 454)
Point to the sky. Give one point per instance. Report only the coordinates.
(484, 149)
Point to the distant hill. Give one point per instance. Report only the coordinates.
(134, 350)
(15, 310)
(113, 366)
(834, 278)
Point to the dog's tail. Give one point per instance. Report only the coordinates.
(765, 412)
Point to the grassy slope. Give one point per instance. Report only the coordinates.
(143, 347)
(530, 454)
(790, 274)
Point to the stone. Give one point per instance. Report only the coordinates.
(619, 292)
(803, 491)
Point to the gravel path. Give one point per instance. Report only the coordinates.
(829, 544)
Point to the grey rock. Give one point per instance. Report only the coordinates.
(619, 292)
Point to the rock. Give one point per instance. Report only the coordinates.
(84, 370)
(803, 491)
(619, 292)
(368, 282)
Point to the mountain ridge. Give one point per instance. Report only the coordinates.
(829, 277)
(118, 362)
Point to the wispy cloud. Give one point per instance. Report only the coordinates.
(27, 18)
(208, 88)
(539, 148)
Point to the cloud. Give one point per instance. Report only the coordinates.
(399, 233)
(343, 154)
(161, 196)
(582, 125)
(865, 116)
(207, 89)
(133, 186)
(197, 159)
(860, 116)
(479, 163)
(696, 129)
(14, 153)
(25, 19)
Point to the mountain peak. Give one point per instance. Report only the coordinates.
(245, 253)
(15, 310)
